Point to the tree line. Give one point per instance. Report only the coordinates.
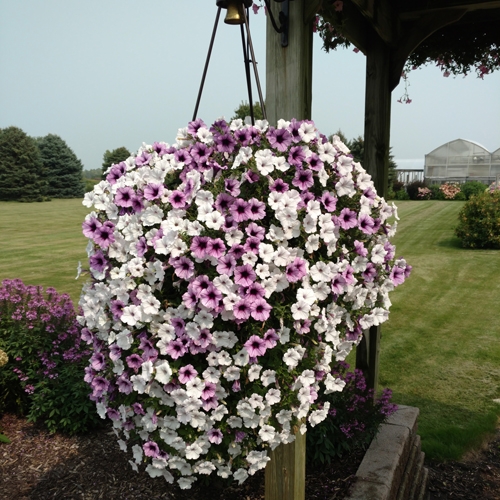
(37, 169)
(42, 168)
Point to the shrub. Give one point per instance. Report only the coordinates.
(436, 193)
(450, 190)
(412, 189)
(398, 186)
(472, 188)
(353, 419)
(479, 221)
(44, 375)
(401, 195)
(424, 193)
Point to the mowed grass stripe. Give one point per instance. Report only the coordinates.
(440, 348)
(42, 243)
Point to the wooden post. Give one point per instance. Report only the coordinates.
(376, 163)
(289, 95)
(289, 69)
(285, 473)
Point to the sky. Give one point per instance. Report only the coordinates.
(103, 74)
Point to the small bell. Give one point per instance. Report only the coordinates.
(235, 10)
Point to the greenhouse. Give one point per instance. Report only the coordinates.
(460, 161)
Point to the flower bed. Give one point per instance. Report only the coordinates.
(230, 270)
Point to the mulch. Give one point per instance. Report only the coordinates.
(37, 465)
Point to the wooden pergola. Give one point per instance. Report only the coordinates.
(387, 32)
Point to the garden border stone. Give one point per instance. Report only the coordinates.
(393, 466)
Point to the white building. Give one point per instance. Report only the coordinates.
(460, 161)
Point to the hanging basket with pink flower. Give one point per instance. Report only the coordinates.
(230, 270)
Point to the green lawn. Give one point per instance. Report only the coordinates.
(42, 243)
(440, 348)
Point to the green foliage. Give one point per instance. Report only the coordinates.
(479, 221)
(44, 374)
(113, 157)
(62, 169)
(473, 188)
(90, 183)
(21, 167)
(412, 189)
(243, 110)
(401, 195)
(353, 419)
(437, 194)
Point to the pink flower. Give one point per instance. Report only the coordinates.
(260, 310)
(215, 436)
(255, 346)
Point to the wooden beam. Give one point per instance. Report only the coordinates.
(446, 6)
(415, 34)
(380, 15)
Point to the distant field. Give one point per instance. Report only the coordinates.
(440, 348)
(41, 243)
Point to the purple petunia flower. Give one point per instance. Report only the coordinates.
(151, 449)
(226, 265)
(257, 209)
(347, 219)
(143, 159)
(124, 196)
(210, 297)
(366, 223)
(153, 191)
(215, 436)
(90, 226)
(260, 310)
(216, 248)
(232, 186)
(296, 156)
(134, 361)
(177, 199)
(244, 275)
(225, 142)
(255, 346)
(104, 234)
(279, 186)
(279, 138)
(296, 270)
(242, 309)
(98, 262)
(315, 162)
(370, 273)
(397, 275)
(240, 210)
(199, 246)
(329, 201)
(303, 179)
(184, 267)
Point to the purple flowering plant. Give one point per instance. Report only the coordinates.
(353, 419)
(46, 358)
(229, 271)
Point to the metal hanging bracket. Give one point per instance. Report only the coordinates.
(283, 18)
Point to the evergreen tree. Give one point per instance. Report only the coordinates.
(21, 167)
(113, 157)
(243, 110)
(63, 170)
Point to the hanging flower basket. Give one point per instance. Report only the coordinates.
(230, 270)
